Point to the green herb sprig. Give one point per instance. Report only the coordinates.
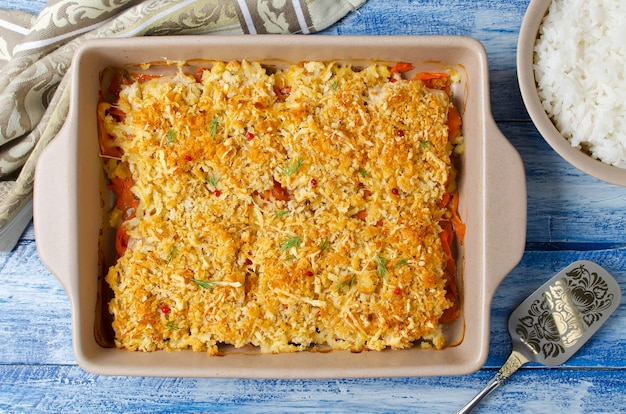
(347, 282)
(279, 214)
(401, 262)
(324, 244)
(382, 266)
(206, 284)
(171, 136)
(172, 253)
(213, 124)
(171, 325)
(212, 181)
(289, 243)
(291, 167)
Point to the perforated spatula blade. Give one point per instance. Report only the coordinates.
(556, 320)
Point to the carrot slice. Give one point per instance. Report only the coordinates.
(445, 199)
(121, 241)
(452, 293)
(454, 123)
(401, 67)
(126, 200)
(361, 215)
(278, 192)
(198, 75)
(434, 80)
(459, 226)
(428, 76)
(143, 77)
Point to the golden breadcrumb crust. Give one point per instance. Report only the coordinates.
(287, 210)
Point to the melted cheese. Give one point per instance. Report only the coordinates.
(346, 254)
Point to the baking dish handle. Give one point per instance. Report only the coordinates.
(53, 212)
(505, 208)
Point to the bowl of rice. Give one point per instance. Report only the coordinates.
(571, 61)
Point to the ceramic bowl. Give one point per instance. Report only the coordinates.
(580, 159)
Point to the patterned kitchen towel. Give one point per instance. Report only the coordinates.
(36, 51)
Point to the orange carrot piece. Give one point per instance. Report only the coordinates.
(121, 241)
(445, 199)
(452, 293)
(198, 75)
(434, 80)
(278, 192)
(454, 123)
(361, 215)
(126, 201)
(425, 76)
(401, 67)
(145, 77)
(459, 226)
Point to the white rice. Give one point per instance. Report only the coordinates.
(580, 68)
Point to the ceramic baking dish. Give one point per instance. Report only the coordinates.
(68, 208)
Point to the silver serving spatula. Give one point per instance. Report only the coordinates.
(556, 320)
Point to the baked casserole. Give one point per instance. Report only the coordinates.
(301, 208)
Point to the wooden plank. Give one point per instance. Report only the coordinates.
(31, 6)
(564, 204)
(29, 233)
(35, 321)
(69, 389)
(459, 17)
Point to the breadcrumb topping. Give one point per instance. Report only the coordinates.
(290, 210)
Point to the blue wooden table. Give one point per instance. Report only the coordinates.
(570, 216)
